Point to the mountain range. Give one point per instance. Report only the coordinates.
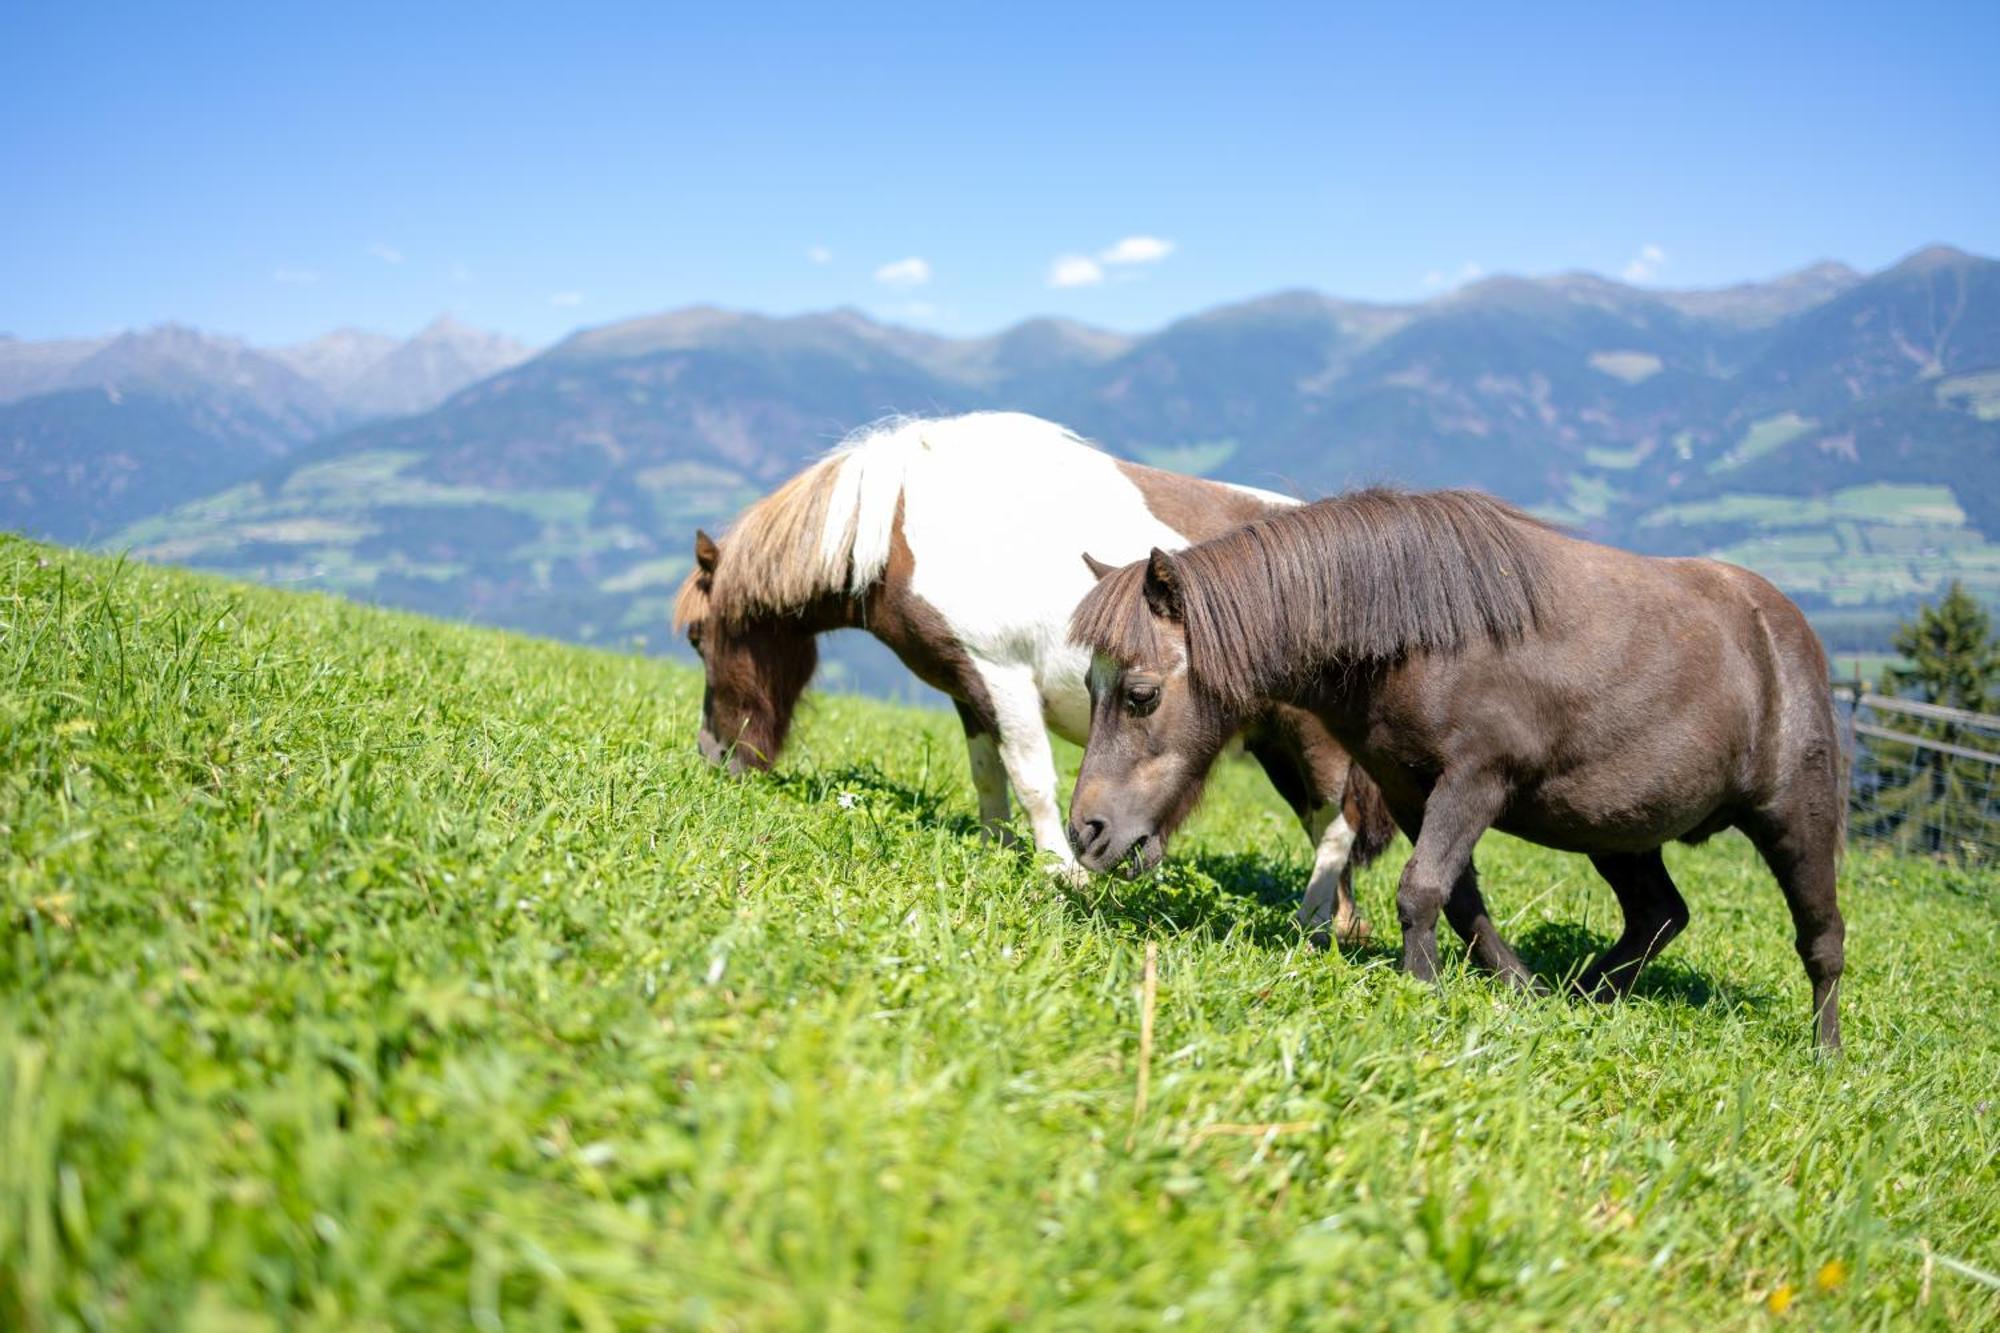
(95, 433)
(1838, 431)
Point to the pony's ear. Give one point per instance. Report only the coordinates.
(1097, 567)
(1163, 585)
(706, 552)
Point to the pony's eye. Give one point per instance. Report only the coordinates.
(1142, 697)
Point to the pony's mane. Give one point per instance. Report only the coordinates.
(825, 531)
(1370, 576)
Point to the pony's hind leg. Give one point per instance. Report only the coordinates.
(1329, 898)
(1804, 854)
(1654, 912)
(1313, 781)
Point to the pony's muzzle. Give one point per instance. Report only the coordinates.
(1100, 848)
(736, 760)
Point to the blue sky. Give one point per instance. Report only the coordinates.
(274, 171)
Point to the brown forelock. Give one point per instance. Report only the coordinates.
(691, 602)
(771, 559)
(1113, 618)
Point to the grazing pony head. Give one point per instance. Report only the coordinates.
(752, 608)
(1152, 735)
(754, 670)
(1189, 646)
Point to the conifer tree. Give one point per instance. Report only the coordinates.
(1929, 800)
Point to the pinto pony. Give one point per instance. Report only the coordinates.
(1488, 672)
(955, 542)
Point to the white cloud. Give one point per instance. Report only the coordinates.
(819, 254)
(1646, 265)
(1439, 280)
(1136, 250)
(1075, 271)
(293, 275)
(567, 300)
(385, 252)
(911, 272)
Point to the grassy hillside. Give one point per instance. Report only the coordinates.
(362, 971)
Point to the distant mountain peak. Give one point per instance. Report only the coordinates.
(1935, 256)
(448, 327)
(371, 374)
(1826, 270)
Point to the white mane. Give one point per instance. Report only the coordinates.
(873, 466)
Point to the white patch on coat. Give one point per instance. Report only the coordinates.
(998, 510)
(1025, 753)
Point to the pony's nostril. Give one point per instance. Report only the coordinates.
(1093, 835)
(1087, 838)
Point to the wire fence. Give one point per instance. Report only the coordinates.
(1925, 778)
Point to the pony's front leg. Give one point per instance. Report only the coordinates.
(1030, 765)
(989, 780)
(1458, 810)
(989, 775)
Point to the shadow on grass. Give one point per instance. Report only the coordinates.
(1244, 895)
(1251, 896)
(878, 791)
(1171, 900)
(1557, 951)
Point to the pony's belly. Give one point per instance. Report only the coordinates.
(1614, 814)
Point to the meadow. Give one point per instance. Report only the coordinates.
(363, 971)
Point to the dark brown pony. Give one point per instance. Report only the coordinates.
(1488, 672)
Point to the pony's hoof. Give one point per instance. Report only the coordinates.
(1591, 988)
(1069, 872)
(1355, 931)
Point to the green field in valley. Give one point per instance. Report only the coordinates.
(363, 971)
(1881, 545)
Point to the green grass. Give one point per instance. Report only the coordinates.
(1885, 543)
(1880, 502)
(1978, 394)
(363, 971)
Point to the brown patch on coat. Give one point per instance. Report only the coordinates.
(917, 633)
(1191, 506)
